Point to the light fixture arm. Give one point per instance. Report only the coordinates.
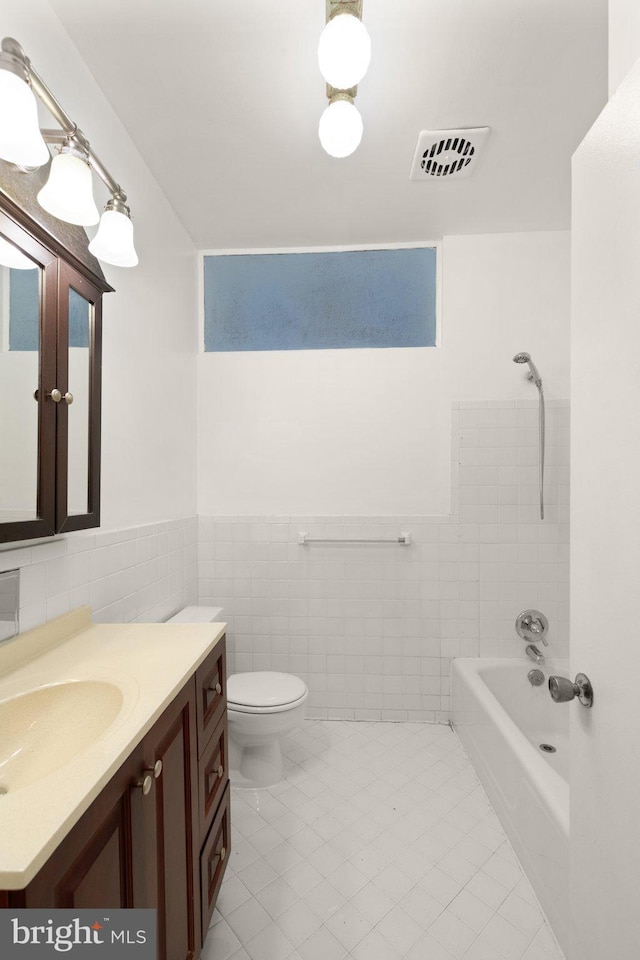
(70, 129)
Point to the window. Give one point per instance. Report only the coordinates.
(320, 301)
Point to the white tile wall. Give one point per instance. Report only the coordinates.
(141, 573)
(372, 628)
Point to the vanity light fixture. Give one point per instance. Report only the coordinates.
(68, 193)
(113, 242)
(20, 139)
(344, 53)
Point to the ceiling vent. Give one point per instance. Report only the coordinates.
(447, 154)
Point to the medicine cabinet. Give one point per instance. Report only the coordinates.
(50, 376)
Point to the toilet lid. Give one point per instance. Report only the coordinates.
(264, 689)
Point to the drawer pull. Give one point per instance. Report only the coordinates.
(214, 688)
(145, 782)
(220, 771)
(157, 769)
(223, 853)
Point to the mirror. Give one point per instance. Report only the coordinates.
(19, 372)
(80, 325)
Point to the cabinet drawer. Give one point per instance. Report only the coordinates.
(213, 775)
(214, 859)
(211, 693)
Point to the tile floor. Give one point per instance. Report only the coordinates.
(380, 844)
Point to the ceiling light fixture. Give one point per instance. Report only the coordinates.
(340, 128)
(68, 193)
(344, 53)
(344, 50)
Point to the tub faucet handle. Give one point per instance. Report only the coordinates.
(562, 689)
(532, 625)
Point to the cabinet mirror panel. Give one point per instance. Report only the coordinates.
(19, 374)
(80, 325)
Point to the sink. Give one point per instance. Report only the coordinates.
(43, 729)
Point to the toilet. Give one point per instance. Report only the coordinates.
(262, 708)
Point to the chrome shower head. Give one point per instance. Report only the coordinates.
(533, 370)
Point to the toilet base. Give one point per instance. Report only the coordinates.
(255, 766)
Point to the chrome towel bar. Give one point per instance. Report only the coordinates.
(404, 539)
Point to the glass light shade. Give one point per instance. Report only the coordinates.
(20, 138)
(68, 193)
(340, 128)
(10, 256)
(113, 242)
(344, 51)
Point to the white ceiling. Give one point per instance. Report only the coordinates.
(222, 98)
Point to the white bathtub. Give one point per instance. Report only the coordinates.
(501, 720)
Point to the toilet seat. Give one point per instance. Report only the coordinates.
(265, 692)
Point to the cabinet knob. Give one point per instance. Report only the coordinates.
(145, 782)
(220, 771)
(223, 853)
(55, 395)
(215, 688)
(157, 769)
(69, 398)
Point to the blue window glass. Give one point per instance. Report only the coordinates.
(320, 301)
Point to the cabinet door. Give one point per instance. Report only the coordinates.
(79, 385)
(172, 742)
(28, 310)
(107, 858)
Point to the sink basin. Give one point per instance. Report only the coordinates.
(43, 729)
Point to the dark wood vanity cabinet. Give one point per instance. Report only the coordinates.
(158, 835)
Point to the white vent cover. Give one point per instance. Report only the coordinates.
(450, 154)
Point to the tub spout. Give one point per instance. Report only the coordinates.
(533, 653)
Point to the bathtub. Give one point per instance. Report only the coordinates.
(501, 720)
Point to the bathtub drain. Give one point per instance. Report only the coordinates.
(547, 748)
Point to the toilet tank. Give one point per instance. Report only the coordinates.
(195, 614)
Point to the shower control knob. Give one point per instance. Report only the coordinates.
(562, 689)
(531, 625)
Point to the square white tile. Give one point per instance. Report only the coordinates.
(338, 861)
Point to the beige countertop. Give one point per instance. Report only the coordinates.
(148, 663)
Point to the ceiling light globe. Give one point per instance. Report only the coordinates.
(340, 129)
(68, 193)
(20, 138)
(113, 243)
(344, 51)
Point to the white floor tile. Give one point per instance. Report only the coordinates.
(400, 929)
(322, 945)
(298, 923)
(343, 860)
(348, 926)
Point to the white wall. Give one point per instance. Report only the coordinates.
(605, 529)
(624, 39)
(149, 338)
(372, 628)
(367, 432)
(145, 567)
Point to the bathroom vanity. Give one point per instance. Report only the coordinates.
(139, 817)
